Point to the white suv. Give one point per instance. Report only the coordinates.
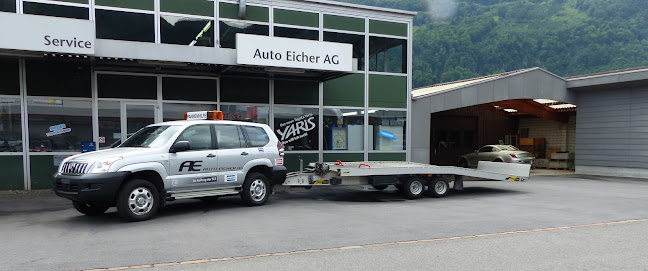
(175, 160)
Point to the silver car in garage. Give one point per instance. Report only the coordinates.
(496, 153)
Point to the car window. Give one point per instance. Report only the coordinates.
(151, 137)
(228, 136)
(257, 136)
(508, 148)
(486, 149)
(199, 137)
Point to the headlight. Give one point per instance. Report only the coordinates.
(102, 165)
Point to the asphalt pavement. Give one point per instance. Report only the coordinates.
(44, 232)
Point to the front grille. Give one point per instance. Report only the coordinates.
(70, 187)
(73, 168)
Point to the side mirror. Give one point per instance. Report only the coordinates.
(180, 146)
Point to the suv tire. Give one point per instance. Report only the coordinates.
(89, 209)
(256, 189)
(137, 200)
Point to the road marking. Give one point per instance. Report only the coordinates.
(132, 267)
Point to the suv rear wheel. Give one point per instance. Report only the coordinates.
(256, 189)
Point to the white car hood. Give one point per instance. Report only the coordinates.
(90, 157)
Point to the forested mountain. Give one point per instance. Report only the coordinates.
(458, 39)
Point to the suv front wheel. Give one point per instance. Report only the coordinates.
(256, 189)
(137, 200)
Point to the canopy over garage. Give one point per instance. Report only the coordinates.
(504, 93)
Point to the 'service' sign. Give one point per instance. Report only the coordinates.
(293, 53)
(46, 34)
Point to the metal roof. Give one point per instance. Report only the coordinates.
(438, 88)
(344, 4)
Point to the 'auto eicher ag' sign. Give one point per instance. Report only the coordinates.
(293, 53)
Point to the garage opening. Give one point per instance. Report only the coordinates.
(543, 127)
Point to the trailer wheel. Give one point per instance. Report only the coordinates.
(438, 187)
(380, 187)
(413, 188)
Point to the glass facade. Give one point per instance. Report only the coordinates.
(52, 107)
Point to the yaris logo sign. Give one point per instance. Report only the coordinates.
(293, 53)
(46, 34)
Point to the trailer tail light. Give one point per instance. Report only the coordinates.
(513, 155)
(280, 148)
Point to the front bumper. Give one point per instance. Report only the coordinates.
(90, 188)
(278, 175)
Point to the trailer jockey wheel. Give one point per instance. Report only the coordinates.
(413, 188)
(438, 187)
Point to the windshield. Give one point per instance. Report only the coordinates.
(151, 137)
(507, 148)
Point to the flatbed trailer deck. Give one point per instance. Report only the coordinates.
(411, 178)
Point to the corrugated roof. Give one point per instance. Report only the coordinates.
(438, 88)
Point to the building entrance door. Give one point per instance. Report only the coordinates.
(135, 116)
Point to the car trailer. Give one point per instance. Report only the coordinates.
(410, 178)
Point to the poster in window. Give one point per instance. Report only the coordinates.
(339, 138)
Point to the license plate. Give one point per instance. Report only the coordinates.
(65, 181)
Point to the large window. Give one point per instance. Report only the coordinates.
(126, 86)
(59, 125)
(10, 128)
(229, 29)
(119, 25)
(296, 127)
(9, 80)
(8, 5)
(251, 113)
(296, 33)
(189, 89)
(388, 130)
(387, 55)
(358, 42)
(55, 10)
(187, 31)
(343, 129)
(46, 78)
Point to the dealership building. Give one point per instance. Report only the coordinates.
(333, 79)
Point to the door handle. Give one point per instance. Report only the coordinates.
(211, 156)
(244, 153)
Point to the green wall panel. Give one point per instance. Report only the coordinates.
(73, 1)
(345, 91)
(282, 16)
(388, 28)
(252, 13)
(387, 157)
(135, 4)
(344, 157)
(344, 23)
(42, 171)
(291, 160)
(296, 92)
(387, 91)
(195, 7)
(12, 173)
